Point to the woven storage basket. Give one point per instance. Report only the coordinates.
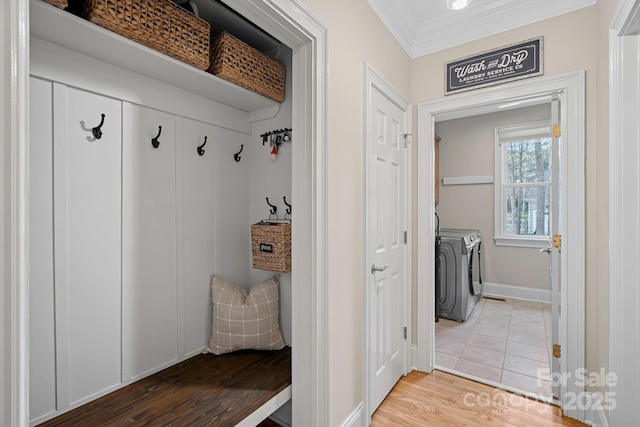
(239, 63)
(158, 24)
(60, 3)
(271, 246)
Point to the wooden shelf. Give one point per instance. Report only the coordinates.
(64, 29)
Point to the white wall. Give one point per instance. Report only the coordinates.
(467, 148)
(598, 206)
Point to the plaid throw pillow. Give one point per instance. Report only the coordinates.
(244, 320)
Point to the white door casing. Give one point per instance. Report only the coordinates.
(572, 216)
(624, 227)
(386, 219)
(555, 264)
(14, 231)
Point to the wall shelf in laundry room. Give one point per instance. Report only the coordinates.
(467, 180)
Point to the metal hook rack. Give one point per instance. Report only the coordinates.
(276, 136)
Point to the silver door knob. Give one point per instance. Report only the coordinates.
(375, 268)
(547, 250)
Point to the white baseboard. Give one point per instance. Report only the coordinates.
(413, 358)
(357, 418)
(594, 414)
(518, 292)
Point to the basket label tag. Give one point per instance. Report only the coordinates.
(265, 247)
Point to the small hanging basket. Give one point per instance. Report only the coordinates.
(271, 245)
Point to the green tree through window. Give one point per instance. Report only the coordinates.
(523, 182)
(526, 186)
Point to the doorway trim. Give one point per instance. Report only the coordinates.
(373, 80)
(293, 24)
(624, 196)
(14, 357)
(571, 87)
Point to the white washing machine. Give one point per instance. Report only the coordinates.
(458, 288)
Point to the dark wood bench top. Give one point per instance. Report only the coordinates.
(205, 390)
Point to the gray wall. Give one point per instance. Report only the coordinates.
(467, 148)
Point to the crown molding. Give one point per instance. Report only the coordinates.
(467, 25)
(403, 31)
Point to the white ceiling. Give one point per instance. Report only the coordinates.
(426, 26)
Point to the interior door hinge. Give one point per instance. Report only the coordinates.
(557, 131)
(405, 237)
(557, 241)
(405, 332)
(556, 351)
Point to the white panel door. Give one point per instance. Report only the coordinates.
(198, 182)
(149, 291)
(42, 368)
(385, 236)
(87, 183)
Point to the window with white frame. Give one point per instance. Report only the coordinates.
(523, 182)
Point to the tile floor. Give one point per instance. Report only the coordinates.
(505, 342)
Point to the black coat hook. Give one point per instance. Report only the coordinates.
(97, 132)
(236, 156)
(274, 209)
(154, 141)
(201, 147)
(288, 205)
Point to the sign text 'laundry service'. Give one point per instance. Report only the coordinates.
(501, 65)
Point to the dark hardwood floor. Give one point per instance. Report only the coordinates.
(205, 390)
(269, 423)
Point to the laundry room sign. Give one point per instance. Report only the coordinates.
(505, 64)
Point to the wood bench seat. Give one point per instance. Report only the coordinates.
(236, 389)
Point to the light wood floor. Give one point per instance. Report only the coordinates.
(441, 399)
